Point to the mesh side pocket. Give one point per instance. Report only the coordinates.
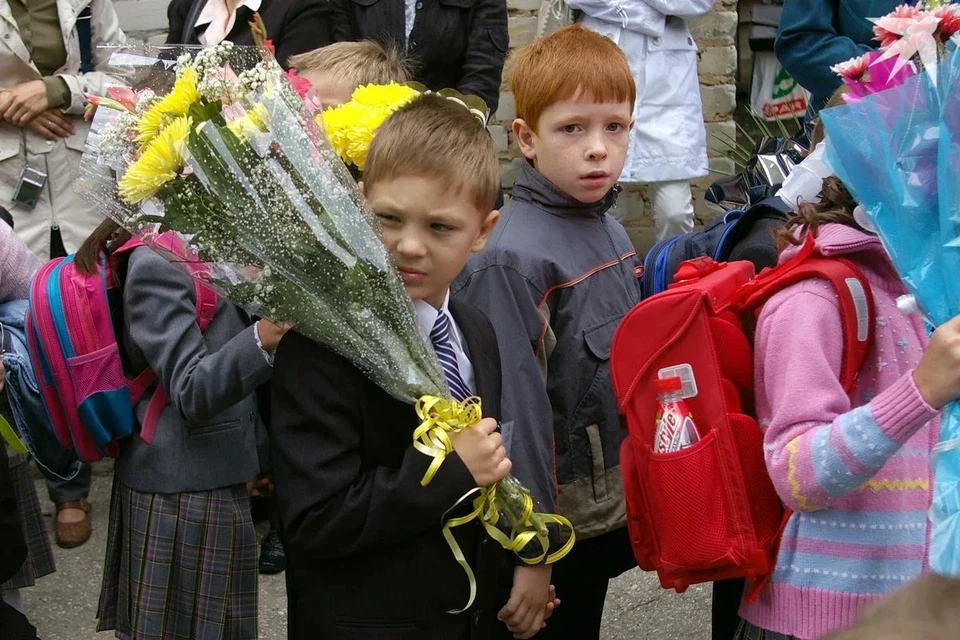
(97, 372)
(101, 393)
(690, 508)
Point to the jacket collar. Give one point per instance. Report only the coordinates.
(534, 188)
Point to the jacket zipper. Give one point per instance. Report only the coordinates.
(623, 281)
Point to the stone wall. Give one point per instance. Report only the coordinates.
(715, 33)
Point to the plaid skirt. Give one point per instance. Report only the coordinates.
(39, 560)
(180, 566)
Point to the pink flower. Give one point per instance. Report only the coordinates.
(949, 15)
(301, 85)
(854, 68)
(124, 96)
(888, 29)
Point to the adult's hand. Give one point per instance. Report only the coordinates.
(23, 102)
(52, 124)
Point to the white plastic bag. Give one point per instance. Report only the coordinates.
(774, 94)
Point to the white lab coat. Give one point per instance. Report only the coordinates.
(668, 142)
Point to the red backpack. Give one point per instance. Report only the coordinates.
(710, 512)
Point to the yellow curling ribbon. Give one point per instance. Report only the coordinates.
(439, 417)
(8, 434)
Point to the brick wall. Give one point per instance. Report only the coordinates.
(716, 36)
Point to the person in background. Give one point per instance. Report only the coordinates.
(451, 44)
(814, 35)
(556, 277)
(50, 59)
(294, 26)
(17, 266)
(336, 70)
(668, 144)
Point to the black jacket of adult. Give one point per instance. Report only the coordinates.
(294, 26)
(456, 44)
(364, 540)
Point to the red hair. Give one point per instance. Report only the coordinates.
(572, 61)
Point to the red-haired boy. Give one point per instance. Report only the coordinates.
(556, 277)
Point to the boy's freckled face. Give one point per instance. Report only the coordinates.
(430, 231)
(580, 146)
(327, 90)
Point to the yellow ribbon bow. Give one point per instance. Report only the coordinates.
(441, 417)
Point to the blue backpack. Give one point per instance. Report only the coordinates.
(31, 421)
(738, 235)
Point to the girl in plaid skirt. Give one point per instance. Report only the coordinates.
(181, 561)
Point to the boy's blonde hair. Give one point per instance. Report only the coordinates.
(434, 137)
(927, 609)
(572, 61)
(357, 63)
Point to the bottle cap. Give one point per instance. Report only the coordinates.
(668, 385)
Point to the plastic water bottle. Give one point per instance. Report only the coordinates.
(675, 427)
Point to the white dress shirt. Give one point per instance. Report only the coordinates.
(409, 15)
(427, 317)
(219, 20)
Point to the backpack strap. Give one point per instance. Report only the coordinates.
(853, 294)
(85, 39)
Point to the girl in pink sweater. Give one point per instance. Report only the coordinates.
(856, 470)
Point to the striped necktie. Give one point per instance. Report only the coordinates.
(440, 336)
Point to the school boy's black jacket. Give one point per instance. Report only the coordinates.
(364, 538)
(456, 44)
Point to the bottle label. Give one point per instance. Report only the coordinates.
(675, 428)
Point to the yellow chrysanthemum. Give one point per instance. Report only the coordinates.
(251, 123)
(173, 105)
(162, 159)
(377, 95)
(352, 126)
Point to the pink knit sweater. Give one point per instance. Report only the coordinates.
(17, 265)
(856, 472)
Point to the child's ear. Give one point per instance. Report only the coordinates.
(632, 123)
(488, 224)
(526, 138)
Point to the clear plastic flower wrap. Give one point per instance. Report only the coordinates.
(211, 157)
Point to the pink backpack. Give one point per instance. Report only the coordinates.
(88, 397)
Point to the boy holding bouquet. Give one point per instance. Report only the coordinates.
(556, 278)
(365, 539)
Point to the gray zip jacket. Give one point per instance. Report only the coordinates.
(555, 279)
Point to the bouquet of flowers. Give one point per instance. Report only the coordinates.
(903, 172)
(215, 148)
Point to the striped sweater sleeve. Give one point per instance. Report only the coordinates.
(818, 448)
